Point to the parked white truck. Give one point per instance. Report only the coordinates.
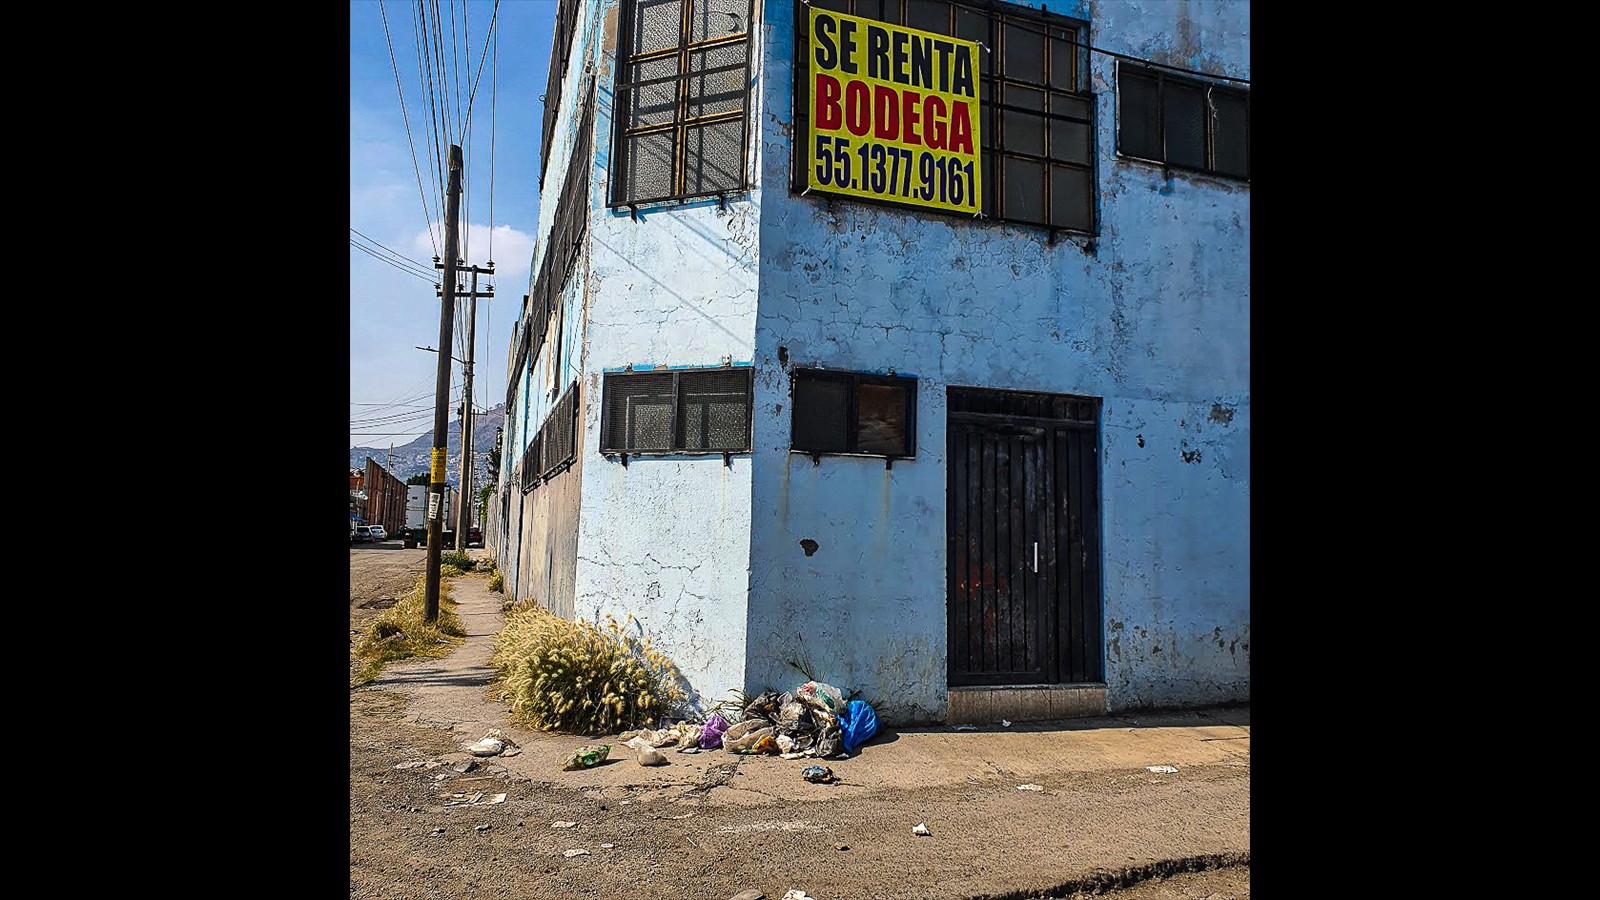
(417, 515)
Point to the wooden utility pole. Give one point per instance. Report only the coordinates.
(463, 515)
(441, 405)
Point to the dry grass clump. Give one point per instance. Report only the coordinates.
(400, 632)
(578, 678)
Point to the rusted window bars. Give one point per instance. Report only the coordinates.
(681, 112)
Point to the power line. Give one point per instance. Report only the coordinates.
(406, 117)
(420, 266)
(492, 35)
(389, 262)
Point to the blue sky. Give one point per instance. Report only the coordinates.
(392, 312)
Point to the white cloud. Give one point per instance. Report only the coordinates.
(513, 251)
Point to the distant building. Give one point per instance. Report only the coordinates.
(905, 341)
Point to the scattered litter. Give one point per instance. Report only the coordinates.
(798, 894)
(433, 764)
(465, 766)
(437, 831)
(624, 802)
(497, 798)
(441, 776)
(579, 851)
(482, 828)
(586, 757)
(1163, 770)
(817, 774)
(858, 723)
(563, 824)
(921, 830)
(684, 816)
(411, 765)
(1005, 723)
(461, 799)
(1029, 787)
(688, 749)
(487, 747)
(791, 756)
(750, 894)
(650, 756)
(711, 732)
(841, 846)
(964, 727)
(514, 751)
(607, 846)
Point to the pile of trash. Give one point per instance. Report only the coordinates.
(814, 720)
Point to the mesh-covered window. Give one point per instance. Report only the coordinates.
(560, 433)
(715, 410)
(1037, 133)
(849, 412)
(560, 53)
(682, 91)
(1182, 122)
(699, 410)
(530, 465)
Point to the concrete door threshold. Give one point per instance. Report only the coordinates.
(988, 704)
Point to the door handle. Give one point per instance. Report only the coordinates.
(1036, 556)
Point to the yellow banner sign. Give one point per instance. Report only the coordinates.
(437, 475)
(894, 114)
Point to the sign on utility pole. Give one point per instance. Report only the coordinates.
(441, 411)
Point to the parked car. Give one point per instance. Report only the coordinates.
(363, 534)
(474, 536)
(378, 534)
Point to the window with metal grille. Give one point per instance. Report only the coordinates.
(1037, 133)
(852, 412)
(530, 464)
(1182, 122)
(681, 98)
(678, 411)
(565, 243)
(560, 53)
(560, 434)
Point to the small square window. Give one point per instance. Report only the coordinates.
(853, 413)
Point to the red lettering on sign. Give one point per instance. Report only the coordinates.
(857, 108)
(960, 129)
(885, 113)
(827, 114)
(933, 113)
(910, 116)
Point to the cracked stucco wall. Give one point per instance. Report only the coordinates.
(1152, 316)
(667, 538)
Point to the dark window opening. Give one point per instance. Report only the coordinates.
(1181, 122)
(679, 411)
(855, 413)
(1038, 121)
(681, 100)
(560, 53)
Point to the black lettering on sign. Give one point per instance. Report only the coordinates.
(827, 53)
(878, 52)
(847, 46)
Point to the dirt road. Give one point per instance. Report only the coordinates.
(710, 825)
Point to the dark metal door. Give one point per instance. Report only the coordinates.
(1023, 539)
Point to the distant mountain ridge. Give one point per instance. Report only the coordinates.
(412, 458)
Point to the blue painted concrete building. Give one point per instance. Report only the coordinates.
(805, 381)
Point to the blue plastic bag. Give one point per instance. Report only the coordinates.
(859, 723)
